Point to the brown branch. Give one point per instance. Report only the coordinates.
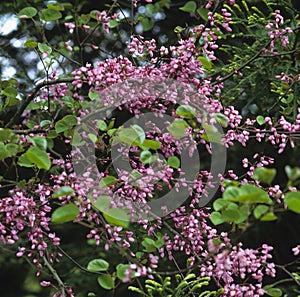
(289, 274)
(56, 277)
(17, 116)
(253, 58)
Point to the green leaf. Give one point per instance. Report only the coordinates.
(260, 120)
(292, 200)
(12, 101)
(45, 123)
(212, 133)
(63, 191)
(247, 194)
(98, 265)
(12, 148)
(244, 213)
(5, 134)
(292, 173)
(146, 157)
(186, 111)
(93, 94)
(65, 123)
(203, 12)
(65, 213)
(206, 63)
(30, 43)
(221, 119)
(107, 181)
(260, 210)
(151, 144)
(220, 204)
(24, 162)
(76, 138)
(264, 175)
(216, 218)
(231, 193)
(149, 245)
(269, 217)
(152, 9)
(113, 24)
(273, 292)
(178, 128)
(121, 270)
(102, 125)
(102, 203)
(4, 153)
(147, 23)
(92, 137)
(44, 48)
(174, 162)
(190, 6)
(140, 132)
(111, 132)
(116, 217)
(129, 136)
(56, 6)
(231, 213)
(106, 281)
(29, 12)
(38, 157)
(39, 142)
(50, 15)
(10, 92)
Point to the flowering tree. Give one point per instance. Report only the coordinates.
(145, 154)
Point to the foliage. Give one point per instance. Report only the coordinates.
(97, 152)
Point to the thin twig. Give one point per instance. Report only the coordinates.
(289, 274)
(56, 277)
(253, 58)
(17, 116)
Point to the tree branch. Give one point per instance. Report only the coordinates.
(56, 277)
(17, 116)
(242, 66)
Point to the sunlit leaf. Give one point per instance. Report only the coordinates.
(38, 157)
(65, 213)
(98, 265)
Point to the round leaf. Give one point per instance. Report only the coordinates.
(102, 125)
(107, 181)
(186, 111)
(146, 157)
(260, 210)
(151, 144)
(190, 6)
(292, 200)
(260, 120)
(121, 270)
(65, 213)
(264, 175)
(102, 203)
(63, 191)
(38, 157)
(98, 265)
(174, 162)
(117, 217)
(178, 128)
(106, 282)
(50, 15)
(216, 218)
(28, 12)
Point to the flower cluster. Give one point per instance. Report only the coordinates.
(277, 33)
